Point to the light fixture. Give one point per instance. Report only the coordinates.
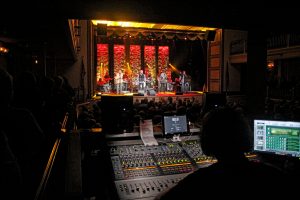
(3, 49)
(270, 65)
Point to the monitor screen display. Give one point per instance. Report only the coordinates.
(277, 137)
(175, 125)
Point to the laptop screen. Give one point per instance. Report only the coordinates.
(175, 125)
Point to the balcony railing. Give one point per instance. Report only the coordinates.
(283, 40)
(275, 41)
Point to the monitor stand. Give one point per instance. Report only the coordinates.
(176, 138)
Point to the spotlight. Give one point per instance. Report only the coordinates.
(3, 48)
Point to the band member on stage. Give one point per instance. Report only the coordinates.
(177, 87)
(183, 81)
(170, 83)
(100, 85)
(125, 81)
(107, 84)
(119, 81)
(163, 81)
(149, 81)
(142, 80)
(107, 78)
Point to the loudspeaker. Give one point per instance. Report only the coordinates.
(117, 114)
(210, 35)
(141, 92)
(151, 92)
(101, 30)
(179, 93)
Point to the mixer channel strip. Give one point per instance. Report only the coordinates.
(146, 188)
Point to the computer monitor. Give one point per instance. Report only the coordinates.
(277, 137)
(175, 125)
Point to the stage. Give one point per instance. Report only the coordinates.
(158, 96)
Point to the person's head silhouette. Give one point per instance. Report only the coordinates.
(6, 88)
(225, 135)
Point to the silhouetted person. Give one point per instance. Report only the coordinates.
(61, 101)
(66, 85)
(25, 137)
(225, 136)
(27, 93)
(10, 173)
(47, 119)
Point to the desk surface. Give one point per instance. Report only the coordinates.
(156, 131)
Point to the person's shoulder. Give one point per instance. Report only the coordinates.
(23, 118)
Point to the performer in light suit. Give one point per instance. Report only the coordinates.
(142, 80)
(125, 81)
(119, 81)
(163, 81)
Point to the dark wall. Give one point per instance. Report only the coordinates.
(117, 114)
(191, 56)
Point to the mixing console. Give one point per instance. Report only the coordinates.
(144, 171)
(146, 188)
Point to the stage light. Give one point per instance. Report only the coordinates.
(3, 48)
(270, 65)
(173, 68)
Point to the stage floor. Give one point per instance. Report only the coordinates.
(197, 95)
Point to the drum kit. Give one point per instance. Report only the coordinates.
(107, 87)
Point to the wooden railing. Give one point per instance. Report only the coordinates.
(40, 192)
(47, 171)
(283, 40)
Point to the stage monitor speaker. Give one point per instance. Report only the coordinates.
(210, 35)
(101, 30)
(151, 92)
(117, 114)
(141, 92)
(179, 93)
